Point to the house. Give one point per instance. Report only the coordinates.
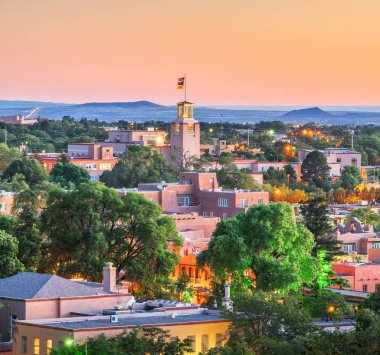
(358, 239)
(6, 202)
(362, 276)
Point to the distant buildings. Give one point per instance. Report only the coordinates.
(6, 202)
(18, 119)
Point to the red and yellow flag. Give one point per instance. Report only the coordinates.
(181, 83)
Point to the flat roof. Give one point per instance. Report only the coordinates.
(131, 321)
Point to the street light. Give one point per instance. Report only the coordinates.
(70, 342)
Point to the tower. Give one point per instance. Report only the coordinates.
(185, 134)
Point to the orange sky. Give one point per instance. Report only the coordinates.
(235, 52)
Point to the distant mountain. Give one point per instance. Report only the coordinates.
(307, 113)
(124, 105)
(21, 104)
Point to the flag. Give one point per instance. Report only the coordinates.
(181, 83)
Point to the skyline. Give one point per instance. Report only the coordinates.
(277, 53)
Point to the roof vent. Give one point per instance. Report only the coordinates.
(114, 318)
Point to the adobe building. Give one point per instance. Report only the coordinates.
(199, 193)
(362, 276)
(337, 158)
(29, 295)
(358, 240)
(6, 202)
(93, 157)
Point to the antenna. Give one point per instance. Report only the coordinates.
(352, 133)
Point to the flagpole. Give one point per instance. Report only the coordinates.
(185, 86)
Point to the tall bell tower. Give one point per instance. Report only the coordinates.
(185, 134)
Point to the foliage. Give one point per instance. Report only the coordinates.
(68, 175)
(137, 341)
(7, 155)
(140, 165)
(30, 169)
(314, 169)
(350, 178)
(265, 242)
(88, 226)
(316, 219)
(285, 194)
(263, 323)
(9, 263)
(373, 301)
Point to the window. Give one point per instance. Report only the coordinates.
(204, 345)
(376, 245)
(260, 201)
(49, 346)
(223, 202)
(36, 343)
(193, 345)
(211, 214)
(205, 214)
(185, 201)
(244, 202)
(224, 216)
(24, 344)
(364, 287)
(349, 248)
(338, 160)
(354, 161)
(219, 340)
(3, 207)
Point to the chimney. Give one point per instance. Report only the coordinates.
(109, 278)
(226, 301)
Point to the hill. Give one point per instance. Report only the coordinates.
(307, 113)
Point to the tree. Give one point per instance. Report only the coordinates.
(315, 217)
(265, 242)
(141, 244)
(9, 263)
(351, 177)
(373, 301)
(314, 169)
(7, 155)
(137, 341)
(140, 165)
(266, 324)
(275, 177)
(30, 168)
(88, 226)
(68, 175)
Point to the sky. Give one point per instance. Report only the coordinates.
(240, 52)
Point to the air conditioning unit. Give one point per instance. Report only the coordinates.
(113, 318)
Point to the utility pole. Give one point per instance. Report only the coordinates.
(5, 136)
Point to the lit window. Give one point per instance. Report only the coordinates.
(3, 207)
(49, 346)
(223, 202)
(193, 345)
(204, 346)
(36, 346)
(24, 344)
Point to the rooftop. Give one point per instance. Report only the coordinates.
(29, 285)
(132, 320)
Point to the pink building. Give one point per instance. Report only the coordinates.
(28, 296)
(358, 239)
(361, 276)
(337, 158)
(199, 193)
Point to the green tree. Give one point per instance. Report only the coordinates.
(316, 219)
(275, 177)
(266, 242)
(9, 263)
(68, 175)
(350, 178)
(140, 165)
(314, 169)
(266, 324)
(7, 156)
(30, 168)
(373, 301)
(138, 341)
